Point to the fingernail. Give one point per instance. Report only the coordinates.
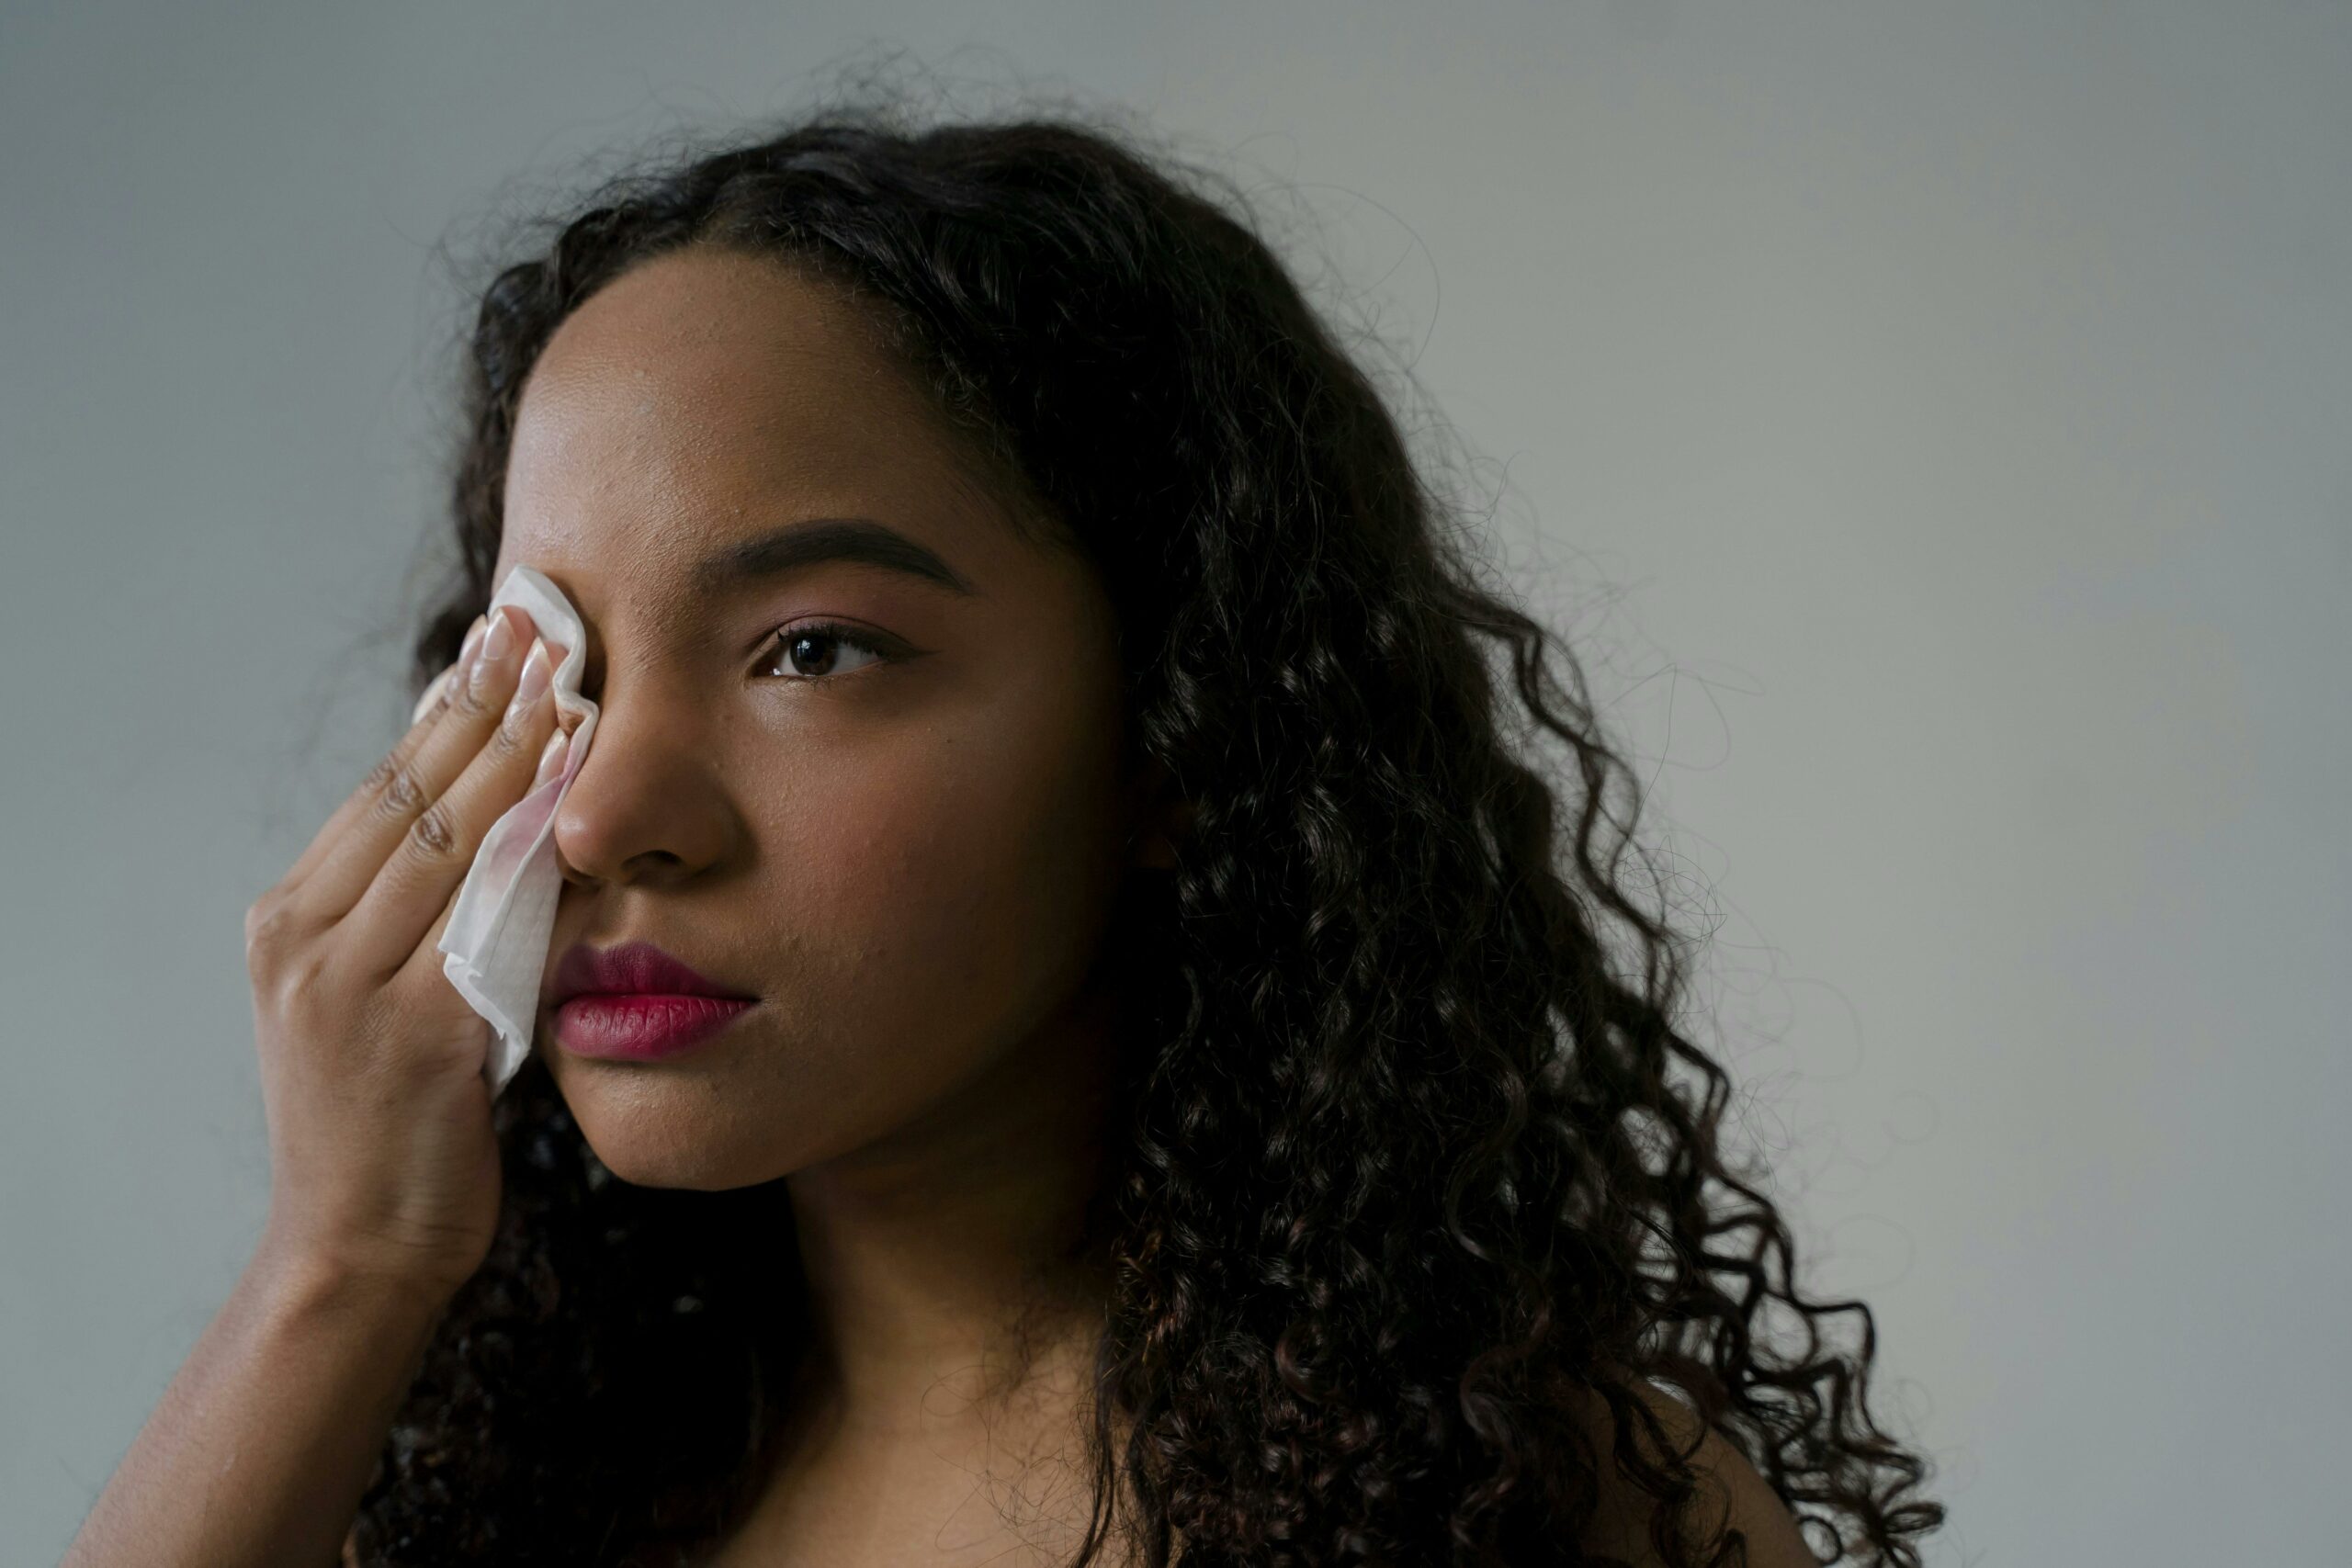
(500, 637)
(464, 664)
(494, 644)
(551, 758)
(536, 672)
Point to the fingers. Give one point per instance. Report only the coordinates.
(413, 890)
(363, 798)
(401, 796)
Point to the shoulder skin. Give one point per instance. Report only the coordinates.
(1732, 1495)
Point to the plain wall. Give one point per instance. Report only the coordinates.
(1927, 421)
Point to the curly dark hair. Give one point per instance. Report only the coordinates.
(1402, 1174)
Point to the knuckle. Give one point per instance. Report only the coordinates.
(270, 927)
(302, 981)
(434, 834)
(291, 981)
(380, 777)
(403, 792)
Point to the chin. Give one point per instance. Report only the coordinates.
(661, 1128)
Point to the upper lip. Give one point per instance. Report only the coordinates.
(634, 968)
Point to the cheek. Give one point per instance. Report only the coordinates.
(953, 885)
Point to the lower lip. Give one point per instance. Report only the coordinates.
(638, 1028)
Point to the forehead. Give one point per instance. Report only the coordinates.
(705, 397)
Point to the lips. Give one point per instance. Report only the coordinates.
(641, 1029)
(636, 1002)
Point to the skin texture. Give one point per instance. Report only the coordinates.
(1732, 1495)
(909, 859)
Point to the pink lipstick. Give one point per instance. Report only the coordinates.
(636, 1002)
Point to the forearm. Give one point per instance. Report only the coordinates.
(260, 1449)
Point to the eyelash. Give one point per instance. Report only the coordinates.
(780, 641)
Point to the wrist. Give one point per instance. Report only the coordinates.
(300, 1277)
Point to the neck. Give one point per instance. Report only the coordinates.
(941, 1263)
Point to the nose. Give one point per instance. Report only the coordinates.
(646, 805)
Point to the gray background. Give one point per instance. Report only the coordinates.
(1928, 421)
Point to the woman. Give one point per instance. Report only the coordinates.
(1175, 1103)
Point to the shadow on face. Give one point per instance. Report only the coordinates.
(858, 753)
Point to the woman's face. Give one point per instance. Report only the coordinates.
(906, 851)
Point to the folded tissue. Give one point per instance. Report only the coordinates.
(497, 937)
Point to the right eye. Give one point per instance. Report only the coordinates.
(816, 643)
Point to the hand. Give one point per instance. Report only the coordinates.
(382, 1160)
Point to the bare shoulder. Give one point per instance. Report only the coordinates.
(1733, 1495)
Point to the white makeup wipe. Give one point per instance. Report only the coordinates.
(497, 931)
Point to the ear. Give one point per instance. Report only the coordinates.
(1161, 818)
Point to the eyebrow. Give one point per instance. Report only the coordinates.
(815, 539)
